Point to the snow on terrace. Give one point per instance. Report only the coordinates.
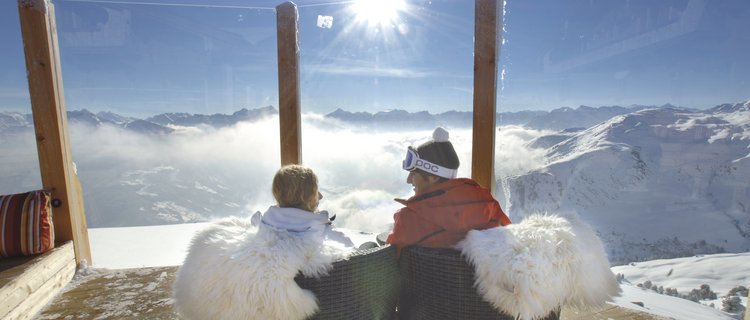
(158, 246)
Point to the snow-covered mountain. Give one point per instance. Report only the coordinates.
(581, 117)
(556, 119)
(215, 120)
(661, 182)
(397, 119)
(14, 122)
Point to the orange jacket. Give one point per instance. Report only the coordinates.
(444, 213)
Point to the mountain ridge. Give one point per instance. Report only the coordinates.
(652, 165)
(555, 119)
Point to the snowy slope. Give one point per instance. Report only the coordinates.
(655, 183)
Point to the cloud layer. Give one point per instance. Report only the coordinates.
(201, 173)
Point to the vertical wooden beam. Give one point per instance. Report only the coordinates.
(50, 123)
(486, 53)
(289, 94)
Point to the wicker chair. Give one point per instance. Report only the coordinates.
(439, 284)
(365, 286)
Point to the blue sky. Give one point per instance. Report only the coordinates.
(146, 57)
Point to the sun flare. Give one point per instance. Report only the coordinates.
(378, 12)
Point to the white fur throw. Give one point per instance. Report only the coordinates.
(236, 270)
(544, 262)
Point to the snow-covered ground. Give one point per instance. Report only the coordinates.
(134, 247)
(721, 272)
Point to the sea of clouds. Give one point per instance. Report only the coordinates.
(202, 173)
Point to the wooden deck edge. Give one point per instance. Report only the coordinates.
(134, 293)
(38, 300)
(33, 283)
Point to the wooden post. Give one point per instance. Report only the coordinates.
(486, 53)
(289, 94)
(50, 123)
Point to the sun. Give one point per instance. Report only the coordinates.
(378, 13)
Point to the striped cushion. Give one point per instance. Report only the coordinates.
(26, 224)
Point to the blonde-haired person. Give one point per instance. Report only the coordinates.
(295, 188)
(244, 268)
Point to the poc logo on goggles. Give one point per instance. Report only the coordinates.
(427, 166)
(413, 161)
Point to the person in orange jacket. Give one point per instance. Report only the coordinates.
(444, 208)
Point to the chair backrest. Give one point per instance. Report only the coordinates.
(364, 286)
(439, 284)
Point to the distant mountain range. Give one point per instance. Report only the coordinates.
(11, 122)
(557, 119)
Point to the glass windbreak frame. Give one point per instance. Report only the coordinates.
(148, 85)
(172, 108)
(375, 78)
(633, 115)
(19, 163)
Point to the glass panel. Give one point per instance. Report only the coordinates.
(376, 77)
(634, 114)
(171, 108)
(19, 165)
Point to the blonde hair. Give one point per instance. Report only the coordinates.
(296, 186)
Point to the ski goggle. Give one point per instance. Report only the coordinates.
(413, 161)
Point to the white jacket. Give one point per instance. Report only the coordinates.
(301, 221)
(237, 269)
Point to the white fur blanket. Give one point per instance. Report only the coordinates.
(236, 270)
(544, 262)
